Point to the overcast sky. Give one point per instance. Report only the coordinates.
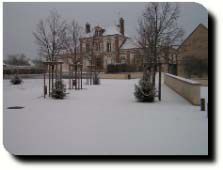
(20, 19)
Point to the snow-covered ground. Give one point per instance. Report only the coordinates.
(104, 119)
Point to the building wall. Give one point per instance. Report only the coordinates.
(196, 46)
(112, 56)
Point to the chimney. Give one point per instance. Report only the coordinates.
(121, 26)
(87, 28)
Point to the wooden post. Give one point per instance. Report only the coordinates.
(61, 76)
(81, 77)
(44, 84)
(49, 77)
(56, 76)
(159, 81)
(52, 76)
(72, 72)
(75, 68)
(69, 76)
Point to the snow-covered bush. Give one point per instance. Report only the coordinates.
(59, 90)
(16, 80)
(145, 92)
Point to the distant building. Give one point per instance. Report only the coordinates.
(193, 49)
(107, 46)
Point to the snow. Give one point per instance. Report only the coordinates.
(183, 79)
(112, 30)
(104, 120)
(31, 63)
(204, 93)
(129, 44)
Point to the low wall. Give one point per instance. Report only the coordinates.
(121, 75)
(187, 88)
(204, 82)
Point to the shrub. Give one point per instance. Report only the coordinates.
(23, 70)
(59, 91)
(16, 80)
(145, 92)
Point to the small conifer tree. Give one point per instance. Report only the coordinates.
(59, 91)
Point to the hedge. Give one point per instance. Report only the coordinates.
(119, 68)
(23, 71)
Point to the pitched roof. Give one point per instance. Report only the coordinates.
(198, 27)
(129, 44)
(111, 31)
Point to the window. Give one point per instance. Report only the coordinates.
(96, 33)
(123, 60)
(87, 47)
(99, 63)
(97, 46)
(108, 47)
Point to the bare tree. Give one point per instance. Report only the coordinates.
(72, 41)
(50, 36)
(17, 59)
(158, 29)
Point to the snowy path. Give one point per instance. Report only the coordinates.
(103, 119)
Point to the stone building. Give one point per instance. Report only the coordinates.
(106, 46)
(193, 49)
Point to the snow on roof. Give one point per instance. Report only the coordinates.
(87, 35)
(129, 44)
(31, 63)
(111, 31)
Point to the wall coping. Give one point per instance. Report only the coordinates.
(183, 79)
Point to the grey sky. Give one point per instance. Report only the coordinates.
(20, 19)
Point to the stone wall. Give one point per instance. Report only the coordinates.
(188, 89)
(196, 46)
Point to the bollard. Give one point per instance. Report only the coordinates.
(207, 109)
(129, 76)
(202, 104)
(45, 91)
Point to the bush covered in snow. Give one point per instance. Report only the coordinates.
(145, 92)
(59, 90)
(16, 80)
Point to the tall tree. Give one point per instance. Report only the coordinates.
(158, 29)
(72, 41)
(50, 36)
(17, 59)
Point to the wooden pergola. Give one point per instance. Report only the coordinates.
(75, 76)
(54, 70)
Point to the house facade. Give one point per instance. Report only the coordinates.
(101, 46)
